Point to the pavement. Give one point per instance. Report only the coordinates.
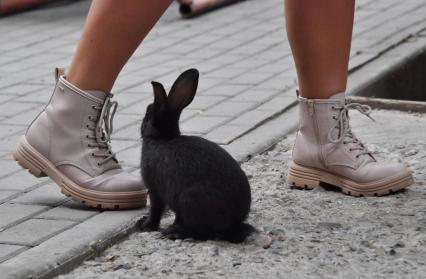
(245, 103)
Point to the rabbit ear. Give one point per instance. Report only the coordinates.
(160, 96)
(183, 90)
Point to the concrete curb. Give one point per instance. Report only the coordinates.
(265, 136)
(63, 252)
(396, 70)
(386, 104)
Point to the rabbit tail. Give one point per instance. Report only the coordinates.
(237, 233)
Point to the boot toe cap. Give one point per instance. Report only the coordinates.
(383, 170)
(122, 182)
(112, 181)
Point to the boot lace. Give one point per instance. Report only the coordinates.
(103, 130)
(345, 134)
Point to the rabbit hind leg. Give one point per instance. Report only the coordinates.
(176, 230)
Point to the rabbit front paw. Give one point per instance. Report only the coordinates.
(146, 224)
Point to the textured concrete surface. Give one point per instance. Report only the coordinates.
(247, 78)
(314, 234)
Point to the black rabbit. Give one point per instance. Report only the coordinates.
(198, 180)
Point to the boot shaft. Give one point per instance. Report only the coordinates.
(64, 131)
(316, 119)
(71, 106)
(325, 138)
(319, 116)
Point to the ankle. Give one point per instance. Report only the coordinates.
(98, 93)
(86, 83)
(320, 93)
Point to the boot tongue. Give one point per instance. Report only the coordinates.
(338, 96)
(342, 99)
(101, 96)
(98, 94)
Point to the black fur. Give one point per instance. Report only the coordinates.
(198, 180)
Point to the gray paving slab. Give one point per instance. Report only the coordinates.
(5, 83)
(14, 213)
(253, 117)
(70, 210)
(229, 108)
(8, 251)
(138, 108)
(252, 78)
(124, 144)
(40, 96)
(189, 113)
(204, 102)
(6, 97)
(8, 144)
(202, 124)
(131, 155)
(130, 132)
(257, 96)
(278, 103)
(6, 166)
(9, 130)
(7, 195)
(227, 133)
(225, 89)
(49, 195)
(21, 89)
(33, 231)
(20, 181)
(22, 118)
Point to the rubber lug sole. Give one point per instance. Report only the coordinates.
(305, 178)
(39, 166)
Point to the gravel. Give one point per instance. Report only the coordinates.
(302, 234)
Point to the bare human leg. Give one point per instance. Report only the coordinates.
(111, 34)
(320, 34)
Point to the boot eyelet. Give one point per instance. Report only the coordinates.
(99, 164)
(93, 154)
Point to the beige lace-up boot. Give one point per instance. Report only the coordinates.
(326, 150)
(69, 142)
